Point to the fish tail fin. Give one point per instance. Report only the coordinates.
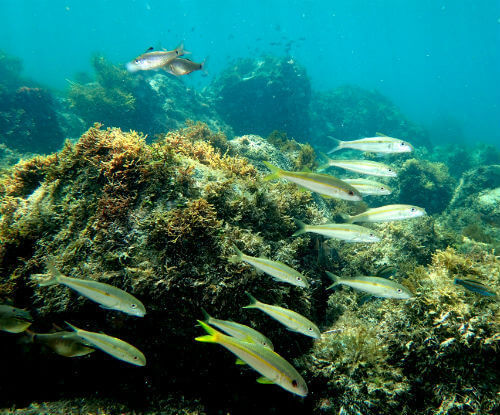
(238, 257)
(212, 337)
(346, 218)
(51, 278)
(302, 227)
(275, 172)
(206, 316)
(338, 144)
(334, 278)
(253, 301)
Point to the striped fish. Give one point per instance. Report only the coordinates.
(323, 184)
(342, 231)
(369, 187)
(111, 345)
(265, 361)
(238, 331)
(292, 320)
(379, 144)
(275, 269)
(376, 286)
(372, 168)
(387, 213)
(106, 295)
(475, 286)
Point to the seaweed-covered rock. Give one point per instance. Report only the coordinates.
(425, 184)
(350, 112)
(261, 95)
(152, 104)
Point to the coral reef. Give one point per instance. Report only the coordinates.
(261, 95)
(350, 112)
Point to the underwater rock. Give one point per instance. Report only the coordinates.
(426, 184)
(350, 112)
(261, 95)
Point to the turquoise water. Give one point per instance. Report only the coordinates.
(437, 60)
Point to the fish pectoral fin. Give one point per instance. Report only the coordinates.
(265, 381)
(106, 307)
(240, 362)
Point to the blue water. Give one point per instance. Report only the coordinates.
(439, 61)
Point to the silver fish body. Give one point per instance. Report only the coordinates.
(376, 286)
(341, 231)
(369, 167)
(180, 66)
(290, 319)
(388, 213)
(379, 144)
(14, 320)
(113, 346)
(154, 60)
(106, 295)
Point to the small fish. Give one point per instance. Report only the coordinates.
(238, 331)
(324, 184)
(369, 187)
(376, 286)
(475, 286)
(292, 320)
(111, 345)
(379, 144)
(151, 60)
(387, 213)
(275, 269)
(372, 168)
(108, 296)
(344, 232)
(14, 320)
(64, 343)
(268, 363)
(180, 66)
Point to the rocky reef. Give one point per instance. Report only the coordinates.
(159, 220)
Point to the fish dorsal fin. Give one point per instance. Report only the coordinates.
(381, 135)
(149, 49)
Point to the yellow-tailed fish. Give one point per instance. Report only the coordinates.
(268, 363)
(106, 295)
(180, 66)
(238, 331)
(113, 346)
(369, 187)
(290, 319)
(342, 231)
(324, 184)
(379, 144)
(275, 269)
(376, 286)
(387, 213)
(372, 168)
(64, 343)
(151, 60)
(475, 286)
(14, 320)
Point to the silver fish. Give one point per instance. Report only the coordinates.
(106, 295)
(376, 286)
(344, 232)
(379, 144)
(111, 345)
(14, 320)
(387, 213)
(64, 343)
(151, 60)
(180, 66)
(372, 168)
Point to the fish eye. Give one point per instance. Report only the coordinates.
(413, 209)
(299, 279)
(294, 383)
(351, 193)
(135, 357)
(372, 234)
(402, 143)
(133, 305)
(310, 329)
(400, 290)
(382, 188)
(390, 169)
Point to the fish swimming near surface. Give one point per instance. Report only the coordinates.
(290, 319)
(324, 184)
(342, 231)
(379, 144)
(275, 269)
(376, 286)
(369, 187)
(64, 343)
(180, 66)
(475, 286)
(108, 296)
(113, 346)
(387, 213)
(372, 168)
(14, 320)
(273, 368)
(152, 60)
(238, 331)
